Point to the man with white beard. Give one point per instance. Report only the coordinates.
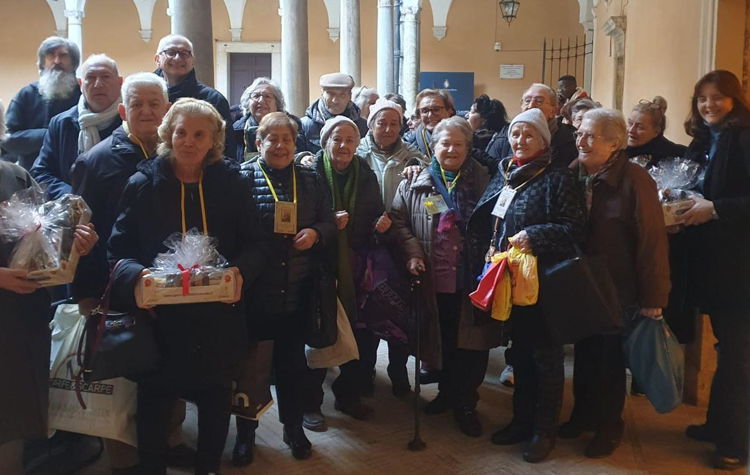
(32, 108)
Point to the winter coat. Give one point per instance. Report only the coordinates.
(284, 284)
(245, 129)
(313, 121)
(27, 119)
(388, 166)
(550, 209)
(488, 140)
(60, 151)
(25, 351)
(416, 232)
(720, 268)
(204, 342)
(99, 176)
(626, 226)
(657, 149)
(191, 87)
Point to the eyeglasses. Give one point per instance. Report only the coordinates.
(173, 53)
(536, 100)
(431, 110)
(588, 138)
(652, 105)
(259, 96)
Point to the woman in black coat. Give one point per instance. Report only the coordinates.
(188, 186)
(719, 123)
(489, 121)
(646, 141)
(279, 304)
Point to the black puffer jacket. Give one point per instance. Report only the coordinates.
(282, 285)
(205, 341)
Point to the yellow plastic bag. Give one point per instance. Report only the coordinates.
(525, 281)
(501, 300)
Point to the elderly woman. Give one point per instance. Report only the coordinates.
(433, 105)
(719, 123)
(626, 227)
(578, 109)
(489, 121)
(203, 343)
(388, 155)
(25, 317)
(543, 215)
(646, 139)
(437, 235)
(279, 303)
(362, 222)
(364, 97)
(260, 98)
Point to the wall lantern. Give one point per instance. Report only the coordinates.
(509, 9)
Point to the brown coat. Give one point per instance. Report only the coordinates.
(626, 225)
(415, 230)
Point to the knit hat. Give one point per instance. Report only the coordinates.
(382, 104)
(337, 80)
(536, 119)
(332, 123)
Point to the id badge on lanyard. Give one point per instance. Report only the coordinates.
(285, 218)
(435, 204)
(503, 202)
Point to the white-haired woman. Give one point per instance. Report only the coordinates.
(260, 98)
(189, 185)
(543, 215)
(626, 226)
(436, 233)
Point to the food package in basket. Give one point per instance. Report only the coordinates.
(675, 178)
(41, 234)
(191, 271)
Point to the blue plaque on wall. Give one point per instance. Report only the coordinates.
(460, 85)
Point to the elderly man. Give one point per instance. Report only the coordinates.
(56, 91)
(174, 61)
(78, 129)
(542, 97)
(335, 99)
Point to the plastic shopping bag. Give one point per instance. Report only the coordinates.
(501, 298)
(110, 404)
(251, 393)
(344, 350)
(483, 295)
(522, 265)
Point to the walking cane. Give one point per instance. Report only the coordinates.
(417, 443)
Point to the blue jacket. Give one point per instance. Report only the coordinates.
(27, 118)
(60, 150)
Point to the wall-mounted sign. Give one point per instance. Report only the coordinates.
(460, 85)
(511, 71)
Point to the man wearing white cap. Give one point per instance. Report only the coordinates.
(335, 99)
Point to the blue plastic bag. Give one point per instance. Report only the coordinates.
(656, 360)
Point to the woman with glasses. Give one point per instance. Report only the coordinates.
(536, 207)
(626, 227)
(647, 144)
(719, 123)
(260, 98)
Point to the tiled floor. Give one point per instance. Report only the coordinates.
(653, 443)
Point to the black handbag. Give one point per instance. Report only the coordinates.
(118, 344)
(579, 299)
(322, 328)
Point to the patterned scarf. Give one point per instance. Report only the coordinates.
(91, 123)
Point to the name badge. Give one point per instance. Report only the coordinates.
(503, 202)
(435, 204)
(285, 218)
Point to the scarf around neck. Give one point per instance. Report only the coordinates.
(91, 123)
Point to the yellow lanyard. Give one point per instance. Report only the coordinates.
(505, 175)
(203, 206)
(445, 180)
(273, 192)
(135, 139)
(426, 143)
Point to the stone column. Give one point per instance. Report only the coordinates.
(295, 58)
(385, 47)
(350, 56)
(410, 71)
(192, 19)
(75, 33)
(588, 29)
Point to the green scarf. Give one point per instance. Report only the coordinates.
(344, 202)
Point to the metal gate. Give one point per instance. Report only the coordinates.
(565, 57)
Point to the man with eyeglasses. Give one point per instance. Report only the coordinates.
(433, 105)
(542, 97)
(56, 91)
(174, 61)
(335, 99)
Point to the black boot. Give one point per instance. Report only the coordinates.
(538, 449)
(514, 433)
(295, 438)
(242, 455)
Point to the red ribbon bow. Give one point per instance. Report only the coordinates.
(186, 277)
